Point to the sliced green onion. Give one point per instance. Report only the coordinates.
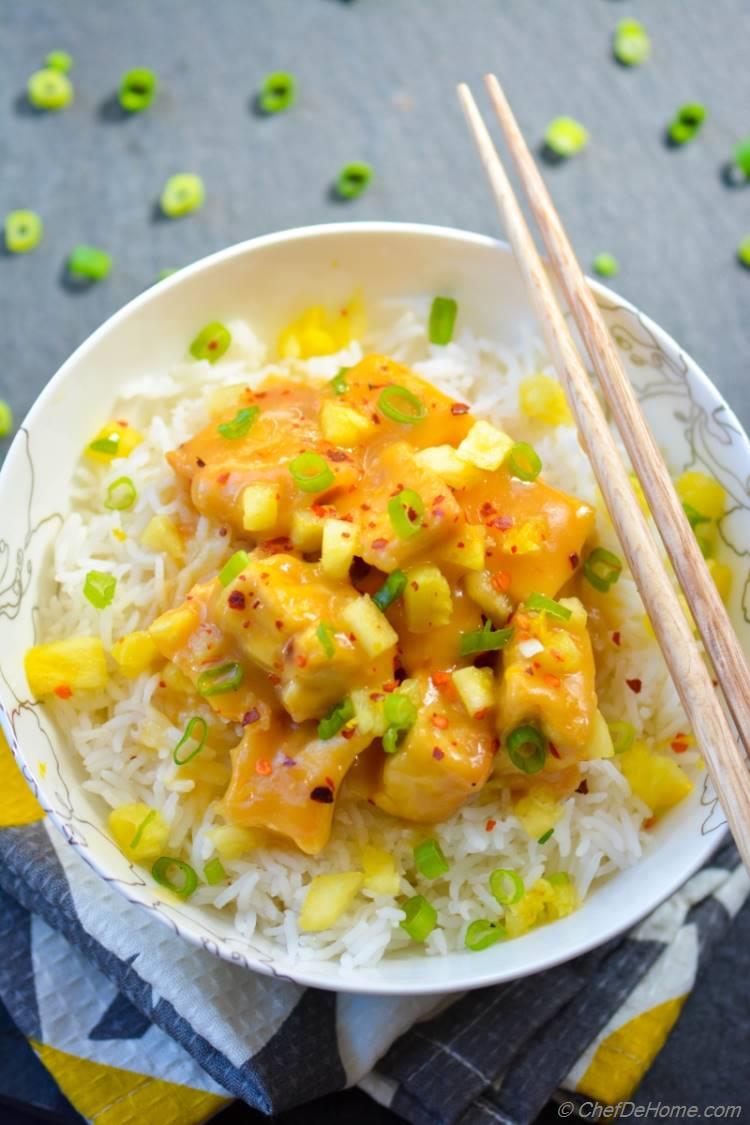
(220, 680)
(526, 748)
(540, 603)
(109, 445)
(631, 45)
(336, 719)
(59, 60)
(240, 425)
(506, 895)
(278, 92)
(99, 588)
(622, 734)
(339, 384)
(137, 89)
(391, 738)
(211, 343)
(182, 194)
(353, 179)
(742, 156)
(482, 934)
(6, 418)
(311, 472)
(485, 639)
(50, 89)
(606, 265)
(392, 588)
(524, 462)
(695, 519)
(141, 828)
(325, 635)
(429, 859)
(546, 836)
(163, 872)
(442, 320)
(405, 512)
(420, 918)
(196, 723)
(23, 231)
(399, 710)
(214, 872)
(602, 569)
(121, 495)
(90, 263)
(391, 395)
(743, 251)
(565, 136)
(233, 567)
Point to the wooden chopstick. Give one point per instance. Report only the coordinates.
(714, 626)
(726, 764)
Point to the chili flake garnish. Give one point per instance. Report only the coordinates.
(63, 691)
(635, 685)
(322, 794)
(438, 754)
(616, 638)
(489, 825)
(459, 408)
(250, 716)
(500, 581)
(263, 767)
(236, 600)
(439, 721)
(574, 560)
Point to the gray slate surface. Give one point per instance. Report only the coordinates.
(376, 83)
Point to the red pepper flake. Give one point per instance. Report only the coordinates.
(123, 422)
(551, 680)
(379, 544)
(263, 767)
(678, 745)
(553, 750)
(502, 523)
(635, 685)
(348, 732)
(439, 721)
(330, 783)
(300, 660)
(250, 716)
(200, 462)
(390, 686)
(459, 408)
(650, 822)
(222, 531)
(236, 600)
(440, 678)
(322, 794)
(274, 679)
(279, 625)
(222, 478)
(583, 787)
(616, 639)
(162, 684)
(439, 499)
(289, 761)
(487, 509)
(574, 560)
(438, 754)
(500, 581)
(489, 825)
(337, 455)
(514, 550)
(482, 713)
(63, 691)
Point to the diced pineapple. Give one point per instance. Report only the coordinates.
(371, 627)
(488, 596)
(444, 462)
(135, 652)
(523, 539)
(317, 332)
(75, 664)
(225, 399)
(171, 630)
(140, 832)
(341, 425)
(485, 446)
(161, 534)
(578, 615)
(260, 507)
(427, 599)
(657, 780)
(476, 688)
(115, 439)
(544, 901)
(306, 531)
(369, 715)
(538, 810)
(466, 548)
(217, 774)
(328, 897)
(175, 679)
(232, 842)
(600, 744)
(722, 576)
(702, 493)
(340, 544)
(380, 872)
(542, 398)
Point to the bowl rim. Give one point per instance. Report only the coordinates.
(305, 972)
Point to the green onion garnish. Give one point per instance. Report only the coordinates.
(565, 136)
(109, 445)
(686, 123)
(121, 495)
(400, 715)
(211, 343)
(339, 385)
(631, 45)
(234, 566)
(545, 836)
(388, 401)
(743, 252)
(353, 179)
(622, 734)
(137, 89)
(311, 472)
(606, 265)
(485, 639)
(526, 748)
(742, 156)
(220, 680)
(392, 588)
(336, 719)
(442, 320)
(695, 519)
(141, 828)
(214, 872)
(23, 231)
(540, 603)
(188, 738)
(602, 569)
(420, 918)
(50, 89)
(59, 60)
(524, 462)
(99, 588)
(325, 635)
(429, 859)
(482, 934)
(6, 418)
(405, 512)
(182, 194)
(506, 895)
(240, 425)
(278, 92)
(163, 872)
(90, 263)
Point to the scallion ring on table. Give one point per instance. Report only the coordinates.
(23, 231)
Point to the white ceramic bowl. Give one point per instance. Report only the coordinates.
(266, 280)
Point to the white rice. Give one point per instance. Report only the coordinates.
(126, 743)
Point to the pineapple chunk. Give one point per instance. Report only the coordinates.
(494, 601)
(600, 744)
(544, 901)
(722, 576)
(371, 628)
(657, 780)
(476, 688)
(369, 714)
(317, 332)
(444, 462)
(343, 426)
(232, 842)
(161, 534)
(175, 679)
(118, 440)
(485, 446)
(380, 875)
(171, 630)
(340, 544)
(140, 832)
(135, 652)
(260, 507)
(578, 615)
(225, 399)
(75, 664)
(526, 539)
(306, 531)
(538, 810)
(328, 897)
(466, 548)
(703, 493)
(427, 599)
(542, 399)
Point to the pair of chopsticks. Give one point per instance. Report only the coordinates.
(726, 764)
